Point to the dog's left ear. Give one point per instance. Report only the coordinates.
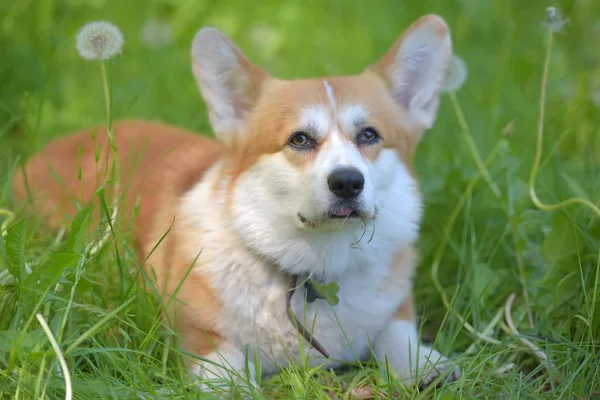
(416, 66)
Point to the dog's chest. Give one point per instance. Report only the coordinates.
(344, 329)
(256, 314)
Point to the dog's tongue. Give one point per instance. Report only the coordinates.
(343, 212)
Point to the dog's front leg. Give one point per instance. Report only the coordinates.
(222, 368)
(398, 345)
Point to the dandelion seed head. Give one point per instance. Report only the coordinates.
(554, 20)
(456, 76)
(99, 40)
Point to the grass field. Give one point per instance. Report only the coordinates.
(483, 238)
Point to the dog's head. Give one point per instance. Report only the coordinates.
(328, 153)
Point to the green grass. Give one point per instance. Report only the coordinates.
(478, 247)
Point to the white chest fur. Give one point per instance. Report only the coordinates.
(253, 295)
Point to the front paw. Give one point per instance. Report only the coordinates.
(424, 368)
(432, 365)
(415, 364)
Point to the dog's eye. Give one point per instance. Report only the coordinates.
(367, 136)
(302, 140)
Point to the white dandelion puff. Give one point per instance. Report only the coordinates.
(456, 76)
(554, 20)
(551, 13)
(99, 40)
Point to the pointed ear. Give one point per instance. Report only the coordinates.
(415, 68)
(229, 83)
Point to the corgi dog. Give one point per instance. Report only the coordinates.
(308, 182)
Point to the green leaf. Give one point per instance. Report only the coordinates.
(15, 250)
(29, 341)
(79, 228)
(328, 292)
(49, 272)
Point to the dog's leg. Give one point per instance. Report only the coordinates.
(221, 365)
(398, 345)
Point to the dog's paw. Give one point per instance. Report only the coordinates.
(450, 372)
(223, 384)
(433, 365)
(411, 361)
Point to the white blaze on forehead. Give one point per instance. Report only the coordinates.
(330, 95)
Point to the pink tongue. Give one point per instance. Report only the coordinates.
(343, 212)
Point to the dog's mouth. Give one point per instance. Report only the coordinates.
(344, 212)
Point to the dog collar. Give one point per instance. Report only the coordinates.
(311, 295)
(311, 292)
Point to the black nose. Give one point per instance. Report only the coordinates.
(346, 183)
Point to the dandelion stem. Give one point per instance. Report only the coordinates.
(539, 144)
(487, 330)
(115, 176)
(115, 170)
(106, 95)
(505, 368)
(539, 353)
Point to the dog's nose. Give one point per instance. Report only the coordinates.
(346, 183)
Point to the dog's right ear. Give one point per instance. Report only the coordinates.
(229, 83)
(415, 68)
